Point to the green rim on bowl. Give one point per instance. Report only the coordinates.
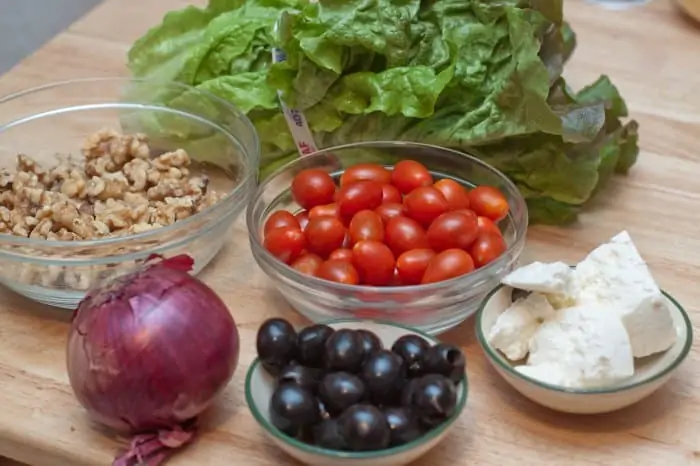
(494, 355)
(272, 430)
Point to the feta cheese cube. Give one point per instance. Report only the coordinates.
(614, 276)
(553, 278)
(581, 347)
(515, 327)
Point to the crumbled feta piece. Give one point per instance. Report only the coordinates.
(560, 301)
(584, 347)
(553, 278)
(614, 276)
(515, 327)
(548, 373)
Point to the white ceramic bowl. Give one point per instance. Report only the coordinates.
(259, 386)
(650, 372)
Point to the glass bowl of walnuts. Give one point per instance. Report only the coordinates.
(97, 175)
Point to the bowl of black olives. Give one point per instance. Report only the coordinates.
(355, 391)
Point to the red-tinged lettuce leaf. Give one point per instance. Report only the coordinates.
(553, 10)
(590, 161)
(558, 44)
(569, 37)
(604, 91)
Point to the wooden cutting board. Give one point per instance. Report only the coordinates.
(691, 8)
(649, 52)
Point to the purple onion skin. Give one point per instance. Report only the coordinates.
(152, 349)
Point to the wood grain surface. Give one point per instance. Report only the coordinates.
(651, 53)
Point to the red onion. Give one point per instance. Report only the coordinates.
(148, 352)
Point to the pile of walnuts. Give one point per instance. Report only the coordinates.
(119, 187)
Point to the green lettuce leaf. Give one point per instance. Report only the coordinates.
(409, 91)
(163, 51)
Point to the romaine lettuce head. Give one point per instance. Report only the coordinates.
(479, 76)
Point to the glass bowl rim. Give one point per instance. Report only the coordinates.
(251, 171)
(298, 278)
(308, 448)
(497, 359)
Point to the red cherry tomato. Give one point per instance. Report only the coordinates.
(313, 187)
(450, 263)
(339, 272)
(281, 219)
(408, 175)
(303, 219)
(308, 263)
(324, 235)
(451, 230)
(488, 201)
(286, 244)
(402, 234)
(366, 225)
(486, 226)
(411, 265)
(457, 197)
(359, 196)
(425, 204)
(342, 254)
(325, 210)
(487, 248)
(365, 172)
(389, 211)
(396, 279)
(374, 262)
(391, 194)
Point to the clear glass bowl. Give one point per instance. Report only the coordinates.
(56, 119)
(432, 308)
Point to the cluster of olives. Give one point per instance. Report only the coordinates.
(340, 389)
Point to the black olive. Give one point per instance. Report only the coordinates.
(322, 409)
(312, 344)
(407, 393)
(306, 434)
(447, 360)
(344, 351)
(297, 374)
(293, 408)
(327, 435)
(434, 398)
(364, 428)
(384, 375)
(370, 343)
(404, 425)
(412, 349)
(276, 344)
(340, 390)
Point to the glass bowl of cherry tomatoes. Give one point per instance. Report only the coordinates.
(397, 231)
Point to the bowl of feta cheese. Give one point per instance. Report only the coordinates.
(587, 339)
